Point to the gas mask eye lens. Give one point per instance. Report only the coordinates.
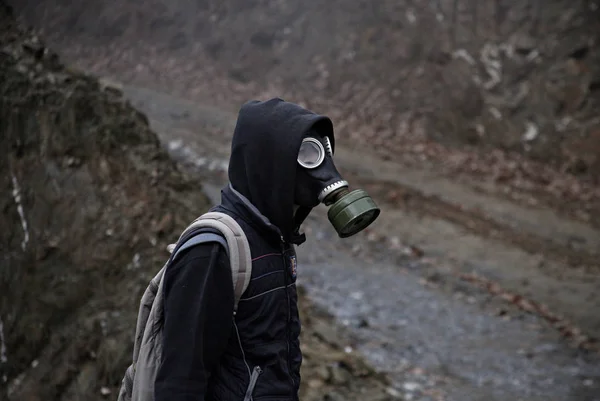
(311, 153)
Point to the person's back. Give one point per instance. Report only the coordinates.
(280, 168)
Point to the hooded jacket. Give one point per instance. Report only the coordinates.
(208, 352)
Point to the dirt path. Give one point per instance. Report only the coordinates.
(401, 288)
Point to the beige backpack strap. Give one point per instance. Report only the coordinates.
(238, 248)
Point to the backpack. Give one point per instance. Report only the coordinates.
(138, 382)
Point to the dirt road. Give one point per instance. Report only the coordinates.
(410, 290)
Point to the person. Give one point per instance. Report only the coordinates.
(281, 167)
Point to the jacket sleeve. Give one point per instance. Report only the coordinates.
(198, 313)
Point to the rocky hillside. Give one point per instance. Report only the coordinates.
(89, 202)
(522, 77)
(491, 90)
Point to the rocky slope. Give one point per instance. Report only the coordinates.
(89, 202)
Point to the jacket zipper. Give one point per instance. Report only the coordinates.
(289, 312)
(253, 378)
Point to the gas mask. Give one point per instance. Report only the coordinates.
(318, 181)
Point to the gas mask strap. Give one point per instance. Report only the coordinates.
(297, 238)
(299, 217)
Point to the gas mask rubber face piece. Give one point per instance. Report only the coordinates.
(318, 181)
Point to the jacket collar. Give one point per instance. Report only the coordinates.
(237, 203)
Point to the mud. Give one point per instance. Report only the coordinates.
(430, 212)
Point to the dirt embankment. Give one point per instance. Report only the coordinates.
(89, 202)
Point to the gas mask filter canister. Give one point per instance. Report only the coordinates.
(349, 212)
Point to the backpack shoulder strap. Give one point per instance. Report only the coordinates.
(233, 239)
(200, 238)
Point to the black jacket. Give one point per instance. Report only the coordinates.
(208, 353)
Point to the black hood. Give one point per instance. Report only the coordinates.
(264, 153)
